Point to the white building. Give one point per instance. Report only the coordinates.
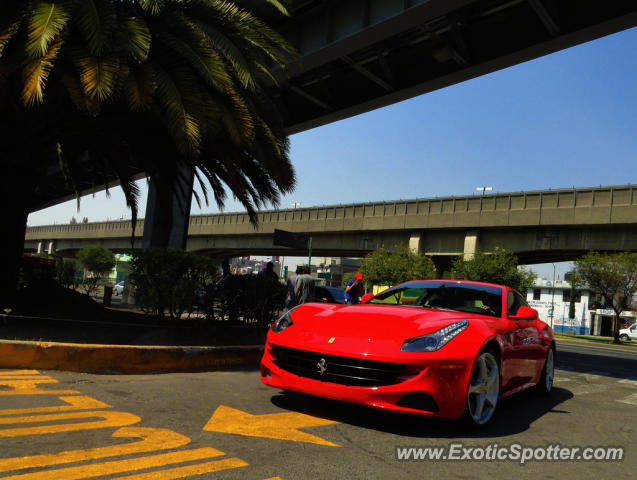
(552, 302)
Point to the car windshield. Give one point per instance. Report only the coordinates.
(452, 295)
(337, 293)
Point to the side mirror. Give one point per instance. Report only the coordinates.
(366, 297)
(525, 313)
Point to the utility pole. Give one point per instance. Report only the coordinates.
(553, 295)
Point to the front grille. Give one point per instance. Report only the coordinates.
(342, 370)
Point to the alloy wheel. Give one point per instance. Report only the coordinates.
(484, 389)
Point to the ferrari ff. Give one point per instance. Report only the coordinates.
(438, 348)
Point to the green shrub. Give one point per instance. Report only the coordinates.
(168, 280)
(252, 299)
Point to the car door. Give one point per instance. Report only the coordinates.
(632, 332)
(527, 353)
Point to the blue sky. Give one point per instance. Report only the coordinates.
(566, 119)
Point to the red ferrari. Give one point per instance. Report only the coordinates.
(439, 348)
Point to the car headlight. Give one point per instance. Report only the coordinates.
(282, 323)
(436, 340)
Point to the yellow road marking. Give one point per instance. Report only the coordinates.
(280, 426)
(190, 470)
(26, 382)
(120, 466)
(152, 439)
(110, 419)
(81, 402)
(29, 386)
(19, 372)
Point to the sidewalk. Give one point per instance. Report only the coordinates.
(128, 359)
(34, 353)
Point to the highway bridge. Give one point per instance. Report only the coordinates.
(538, 226)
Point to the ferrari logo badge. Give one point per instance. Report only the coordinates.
(322, 366)
(331, 340)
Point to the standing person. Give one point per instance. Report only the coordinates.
(305, 286)
(269, 272)
(290, 300)
(354, 290)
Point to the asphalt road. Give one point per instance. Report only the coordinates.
(228, 425)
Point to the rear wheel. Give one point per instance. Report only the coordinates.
(484, 389)
(545, 385)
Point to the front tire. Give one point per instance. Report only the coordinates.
(484, 390)
(545, 385)
(623, 336)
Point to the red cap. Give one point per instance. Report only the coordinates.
(359, 276)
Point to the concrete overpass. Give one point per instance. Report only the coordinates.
(359, 55)
(539, 226)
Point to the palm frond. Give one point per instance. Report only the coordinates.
(7, 31)
(181, 123)
(139, 87)
(152, 6)
(137, 38)
(229, 49)
(279, 5)
(99, 76)
(201, 57)
(95, 19)
(36, 72)
(46, 21)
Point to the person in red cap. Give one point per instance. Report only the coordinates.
(354, 290)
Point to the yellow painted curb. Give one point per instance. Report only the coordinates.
(75, 357)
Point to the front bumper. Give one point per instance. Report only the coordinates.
(433, 385)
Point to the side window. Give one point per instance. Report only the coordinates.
(514, 302)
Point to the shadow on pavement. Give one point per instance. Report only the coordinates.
(605, 365)
(515, 414)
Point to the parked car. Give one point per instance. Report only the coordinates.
(629, 333)
(329, 294)
(436, 348)
(118, 289)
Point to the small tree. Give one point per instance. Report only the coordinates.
(67, 269)
(500, 267)
(613, 276)
(383, 267)
(98, 261)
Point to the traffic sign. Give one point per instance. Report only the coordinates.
(290, 239)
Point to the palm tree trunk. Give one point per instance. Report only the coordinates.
(14, 219)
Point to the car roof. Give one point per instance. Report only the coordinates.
(466, 282)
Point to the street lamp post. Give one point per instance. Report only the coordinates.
(553, 295)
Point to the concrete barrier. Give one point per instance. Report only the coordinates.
(127, 359)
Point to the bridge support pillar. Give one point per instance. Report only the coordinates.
(50, 249)
(39, 249)
(416, 242)
(471, 243)
(168, 212)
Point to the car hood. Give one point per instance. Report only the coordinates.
(361, 329)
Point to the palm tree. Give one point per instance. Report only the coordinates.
(107, 88)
